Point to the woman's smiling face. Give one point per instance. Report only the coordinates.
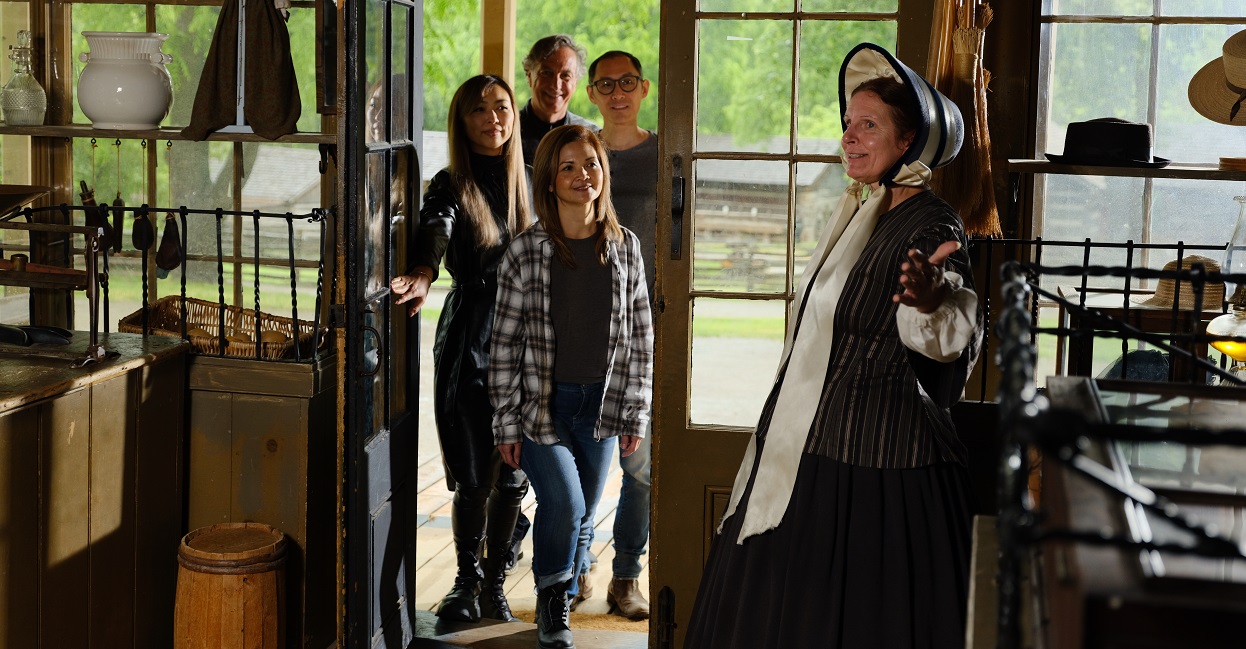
(579, 178)
(872, 142)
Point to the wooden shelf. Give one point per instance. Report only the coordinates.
(1175, 170)
(168, 133)
(74, 280)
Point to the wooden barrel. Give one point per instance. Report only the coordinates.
(231, 588)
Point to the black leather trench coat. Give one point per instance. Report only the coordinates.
(461, 350)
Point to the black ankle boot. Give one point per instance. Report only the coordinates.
(493, 604)
(553, 617)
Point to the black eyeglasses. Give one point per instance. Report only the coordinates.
(626, 84)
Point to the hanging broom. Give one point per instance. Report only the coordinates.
(966, 183)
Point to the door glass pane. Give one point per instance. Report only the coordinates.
(823, 46)
(374, 64)
(747, 5)
(375, 224)
(1100, 7)
(400, 79)
(190, 35)
(819, 186)
(855, 6)
(742, 339)
(401, 206)
(744, 86)
(740, 225)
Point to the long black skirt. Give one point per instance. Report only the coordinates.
(864, 558)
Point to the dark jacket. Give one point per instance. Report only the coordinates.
(461, 348)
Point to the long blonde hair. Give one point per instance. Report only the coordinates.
(545, 202)
(484, 227)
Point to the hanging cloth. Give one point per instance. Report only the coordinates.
(271, 94)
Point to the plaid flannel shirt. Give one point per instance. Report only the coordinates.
(521, 357)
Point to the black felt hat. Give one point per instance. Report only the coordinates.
(1108, 141)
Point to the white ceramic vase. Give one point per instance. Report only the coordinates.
(125, 84)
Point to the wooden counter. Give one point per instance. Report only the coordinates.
(91, 495)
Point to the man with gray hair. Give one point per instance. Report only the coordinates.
(553, 66)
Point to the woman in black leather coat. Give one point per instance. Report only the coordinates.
(471, 211)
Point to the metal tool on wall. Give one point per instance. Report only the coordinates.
(118, 213)
(144, 233)
(169, 254)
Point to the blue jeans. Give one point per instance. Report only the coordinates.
(567, 478)
(631, 520)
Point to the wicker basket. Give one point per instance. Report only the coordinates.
(164, 318)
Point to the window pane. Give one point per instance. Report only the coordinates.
(740, 225)
(1099, 7)
(1181, 133)
(818, 189)
(190, 35)
(747, 5)
(1208, 8)
(742, 339)
(1195, 211)
(823, 46)
(1084, 88)
(744, 86)
(855, 6)
(1101, 208)
(303, 43)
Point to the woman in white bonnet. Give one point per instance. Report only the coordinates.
(849, 523)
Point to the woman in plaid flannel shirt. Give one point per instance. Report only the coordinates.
(572, 359)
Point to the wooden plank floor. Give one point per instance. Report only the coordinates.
(435, 563)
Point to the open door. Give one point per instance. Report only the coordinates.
(380, 161)
(750, 167)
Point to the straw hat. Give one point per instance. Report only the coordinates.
(942, 131)
(1213, 292)
(1217, 91)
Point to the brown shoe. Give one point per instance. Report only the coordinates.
(586, 590)
(625, 598)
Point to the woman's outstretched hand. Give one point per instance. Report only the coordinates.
(510, 454)
(410, 288)
(921, 277)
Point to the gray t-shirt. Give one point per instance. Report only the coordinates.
(634, 189)
(581, 303)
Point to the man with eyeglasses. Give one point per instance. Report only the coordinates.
(617, 87)
(553, 67)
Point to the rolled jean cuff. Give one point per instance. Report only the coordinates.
(550, 580)
(625, 566)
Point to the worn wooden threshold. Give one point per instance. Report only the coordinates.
(434, 633)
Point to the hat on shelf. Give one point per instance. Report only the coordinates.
(1108, 141)
(1217, 90)
(1166, 289)
(942, 131)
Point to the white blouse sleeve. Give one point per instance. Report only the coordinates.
(943, 333)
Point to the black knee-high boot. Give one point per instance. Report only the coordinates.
(467, 520)
(504, 504)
